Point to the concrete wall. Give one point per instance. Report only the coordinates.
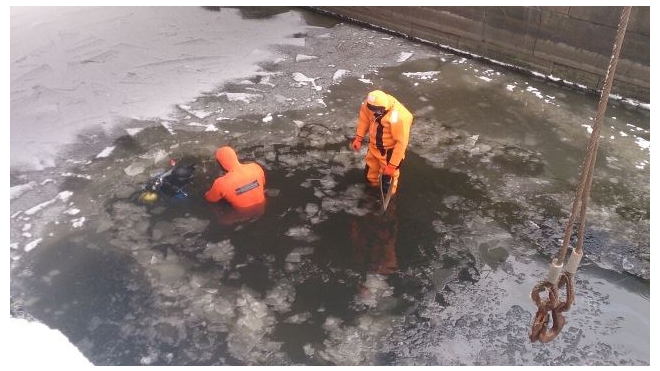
(572, 43)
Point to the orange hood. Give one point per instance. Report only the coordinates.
(380, 98)
(227, 158)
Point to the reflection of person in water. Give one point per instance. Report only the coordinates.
(373, 238)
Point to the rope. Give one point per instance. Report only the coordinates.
(556, 282)
(584, 188)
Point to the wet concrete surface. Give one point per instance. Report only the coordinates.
(324, 277)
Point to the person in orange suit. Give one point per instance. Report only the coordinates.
(242, 186)
(388, 124)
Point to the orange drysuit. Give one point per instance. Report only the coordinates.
(242, 186)
(388, 123)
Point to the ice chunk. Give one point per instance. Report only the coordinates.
(168, 127)
(222, 251)
(300, 78)
(281, 297)
(301, 233)
(200, 114)
(403, 56)
(642, 143)
(421, 75)
(241, 97)
(133, 131)
(63, 196)
(77, 223)
(31, 245)
(134, 169)
(339, 74)
(308, 349)
(106, 152)
(17, 191)
(189, 225)
(303, 57)
(298, 318)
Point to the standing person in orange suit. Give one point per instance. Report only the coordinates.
(388, 123)
(242, 186)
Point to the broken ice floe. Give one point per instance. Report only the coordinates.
(62, 196)
(156, 155)
(31, 245)
(297, 253)
(301, 233)
(241, 97)
(73, 175)
(77, 223)
(403, 56)
(72, 211)
(168, 127)
(222, 251)
(207, 127)
(374, 288)
(298, 318)
(268, 118)
(106, 152)
(302, 79)
(339, 74)
(134, 169)
(17, 191)
(303, 57)
(133, 131)
(246, 340)
(200, 114)
(421, 75)
(642, 143)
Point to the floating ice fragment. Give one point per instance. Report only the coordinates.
(167, 126)
(268, 118)
(485, 78)
(63, 196)
(403, 56)
(303, 57)
(17, 191)
(32, 244)
(241, 97)
(421, 75)
(366, 81)
(106, 152)
(642, 143)
(626, 264)
(73, 175)
(134, 169)
(339, 74)
(77, 223)
(133, 131)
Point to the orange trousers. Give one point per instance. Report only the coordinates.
(374, 163)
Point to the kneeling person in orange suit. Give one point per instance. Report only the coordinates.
(242, 186)
(388, 123)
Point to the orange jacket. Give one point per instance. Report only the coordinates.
(393, 130)
(242, 186)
